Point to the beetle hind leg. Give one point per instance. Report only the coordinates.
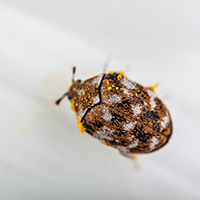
(136, 162)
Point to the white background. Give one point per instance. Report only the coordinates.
(42, 155)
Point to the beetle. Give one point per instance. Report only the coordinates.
(120, 113)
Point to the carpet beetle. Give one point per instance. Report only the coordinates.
(120, 113)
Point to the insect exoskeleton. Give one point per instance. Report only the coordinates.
(120, 113)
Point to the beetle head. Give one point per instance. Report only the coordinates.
(73, 88)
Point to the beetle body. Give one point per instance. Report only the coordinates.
(120, 113)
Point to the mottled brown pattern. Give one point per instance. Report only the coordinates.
(137, 97)
(83, 93)
(128, 116)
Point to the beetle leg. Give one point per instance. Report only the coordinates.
(135, 162)
(107, 62)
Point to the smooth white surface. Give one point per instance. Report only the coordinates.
(42, 155)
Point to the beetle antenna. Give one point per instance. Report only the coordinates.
(107, 62)
(57, 102)
(73, 73)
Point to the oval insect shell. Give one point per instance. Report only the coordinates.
(122, 114)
